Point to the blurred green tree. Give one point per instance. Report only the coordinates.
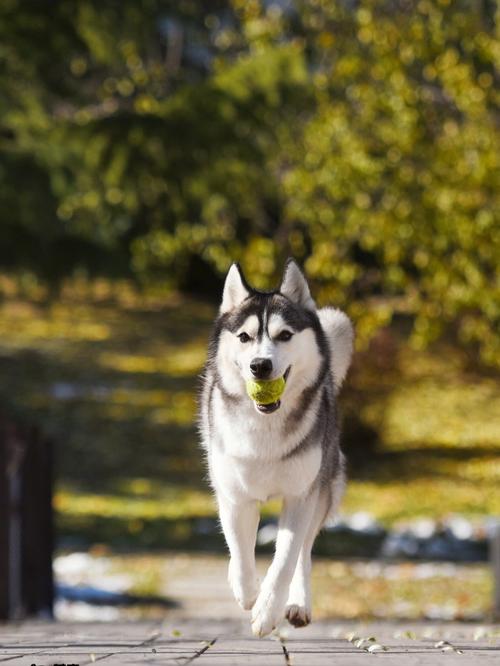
(163, 139)
(393, 186)
(126, 144)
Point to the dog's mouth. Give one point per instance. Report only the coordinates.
(272, 406)
(268, 409)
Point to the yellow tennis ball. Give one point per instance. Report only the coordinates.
(265, 391)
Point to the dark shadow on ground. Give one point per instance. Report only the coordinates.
(418, 461)
(99, 597)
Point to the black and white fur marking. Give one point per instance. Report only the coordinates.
(290, 450)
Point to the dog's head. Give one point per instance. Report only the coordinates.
(268, 335)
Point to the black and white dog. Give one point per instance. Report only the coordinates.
(289, 448)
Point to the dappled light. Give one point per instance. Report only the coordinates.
(122, 408)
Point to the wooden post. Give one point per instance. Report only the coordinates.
(495, 565)
(37, 527)
(4, 530)
(25, 522)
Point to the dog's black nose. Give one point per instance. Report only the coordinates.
(261, 367)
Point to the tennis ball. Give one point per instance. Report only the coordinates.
(265, 391)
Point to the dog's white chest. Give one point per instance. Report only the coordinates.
(248, 454)
(259, 479)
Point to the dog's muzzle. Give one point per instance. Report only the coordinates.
(272, 406)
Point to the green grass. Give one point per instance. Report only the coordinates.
(111, 375)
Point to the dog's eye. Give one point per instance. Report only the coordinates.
(284, 336)
(244, 337)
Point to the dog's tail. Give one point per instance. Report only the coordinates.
(340, 334)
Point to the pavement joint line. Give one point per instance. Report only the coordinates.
(15, 656)
(288, 659)
(198, 653)
(155, 634)
(24, 654)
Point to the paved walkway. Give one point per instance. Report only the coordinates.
(207, 628)
(228, 643)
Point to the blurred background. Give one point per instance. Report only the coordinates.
(144, 146)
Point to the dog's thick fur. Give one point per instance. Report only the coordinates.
(288, 449)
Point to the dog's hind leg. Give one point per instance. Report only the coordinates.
(239, 523)
(298, 606)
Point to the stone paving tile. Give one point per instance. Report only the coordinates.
(229, 643)
(237, 651)
(49, 643)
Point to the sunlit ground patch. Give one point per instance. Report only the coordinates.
(437, 591)
(341, 590)
(171, 360)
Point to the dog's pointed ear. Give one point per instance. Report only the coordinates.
(235, 289)
(294, 286)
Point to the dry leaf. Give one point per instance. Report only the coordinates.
(376, 647)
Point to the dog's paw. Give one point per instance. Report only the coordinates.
(245, 598)
(245, 588)
(267, 613)
(298, 616)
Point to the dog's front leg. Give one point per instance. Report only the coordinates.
(239, 522)
(269, 609)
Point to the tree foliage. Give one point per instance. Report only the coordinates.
(165, 139)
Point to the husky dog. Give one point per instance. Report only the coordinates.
(289, 448)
